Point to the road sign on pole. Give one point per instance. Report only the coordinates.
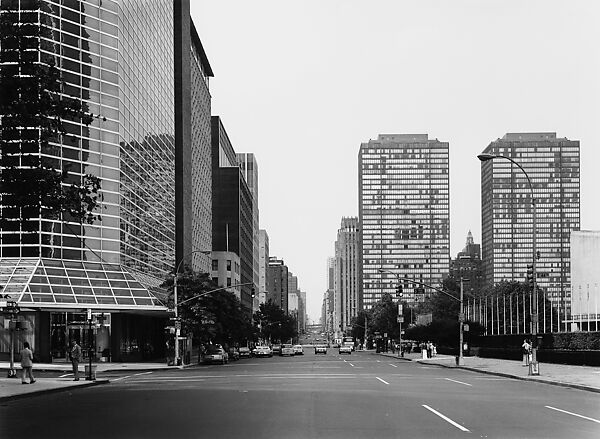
(400, 319)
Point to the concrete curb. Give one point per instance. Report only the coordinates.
(123, 369)
(516, 377)
(53, 390)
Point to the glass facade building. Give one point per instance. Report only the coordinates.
(249, 168)
(507, 216)
(404, 213)
(117, 58)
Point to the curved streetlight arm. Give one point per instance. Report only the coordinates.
(486, 157)
(190, 254)
(213, 291)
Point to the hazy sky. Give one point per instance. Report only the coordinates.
(302, 83)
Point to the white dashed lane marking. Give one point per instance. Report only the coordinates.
(383, 381)
(459, 382)
(445, 418)
(573, 414)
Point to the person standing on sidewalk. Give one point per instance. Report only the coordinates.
(75, 355)
(27, 364)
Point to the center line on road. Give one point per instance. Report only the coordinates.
(65, 375)
(393, 365)
(378, 361)
(383, 381)
(573, 414)
(142, 373)
(351, 364)
(459, 382)
(445, 418)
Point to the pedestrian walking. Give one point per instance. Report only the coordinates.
(27, 364)
(526, 351)
(75, 355)
(429, 349)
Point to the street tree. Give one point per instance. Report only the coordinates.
(216, 317)
(275, 324)
(37, 118)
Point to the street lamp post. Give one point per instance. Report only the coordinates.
(461, 316)
(533, 365)
(175, 304)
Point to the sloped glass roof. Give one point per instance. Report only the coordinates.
(75, 284)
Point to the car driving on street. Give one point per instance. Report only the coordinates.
(215, 354)
(345, 349)
(298, 349)
(287, 349)
(320, 349)
(262, 351)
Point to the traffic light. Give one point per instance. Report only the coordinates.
(253, 292)
(530, 275)
(399, 291)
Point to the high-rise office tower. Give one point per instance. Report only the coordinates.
(249, 169)
(347, 268)
(232, 210)
(140, 67)
(263, 254)
(403, 213)
(552, 165)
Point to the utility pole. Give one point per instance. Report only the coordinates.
(461, 322)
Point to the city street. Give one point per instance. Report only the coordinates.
(357, 395)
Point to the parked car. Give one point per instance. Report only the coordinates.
(345, 349)
(320, 349)
(234, 354)
(215, 354)
(262, 351)
(245, 352)
(298, 349)
(276, 348)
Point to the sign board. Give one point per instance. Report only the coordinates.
(466, 328)
(400, 319)
(399, 309)
(178, 325)
(89, 314)
(385, 334)
(461, 317)
(177, 332)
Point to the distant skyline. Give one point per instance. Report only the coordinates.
(303, 84)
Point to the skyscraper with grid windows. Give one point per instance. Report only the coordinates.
(404, 214)
(140, 66)
(552, 164)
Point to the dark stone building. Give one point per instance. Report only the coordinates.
(277, 283)
(232, 223)
(468, 265)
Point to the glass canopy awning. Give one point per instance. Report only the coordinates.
(55, 283)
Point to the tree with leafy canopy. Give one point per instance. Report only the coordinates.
(275, 325)
(33, 113)
(216, 317)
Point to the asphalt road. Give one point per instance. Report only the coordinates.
(363, 395)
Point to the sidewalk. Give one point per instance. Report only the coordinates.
(11, 388)
(577, 377)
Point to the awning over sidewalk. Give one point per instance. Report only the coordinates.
(55, 283)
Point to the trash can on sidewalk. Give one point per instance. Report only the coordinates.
(87, 372)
